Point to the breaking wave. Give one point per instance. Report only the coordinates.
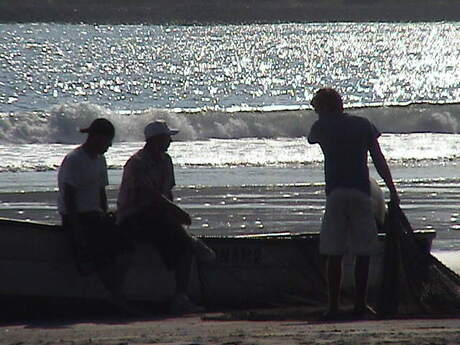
(61, 123)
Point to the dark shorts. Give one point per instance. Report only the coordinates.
(168, 237)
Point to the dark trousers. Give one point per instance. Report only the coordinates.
(167, 236)
(97, 243)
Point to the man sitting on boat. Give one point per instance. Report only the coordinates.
(348, 223)
(147, 213)
(82, 203)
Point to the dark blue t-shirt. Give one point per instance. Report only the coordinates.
(345, 141)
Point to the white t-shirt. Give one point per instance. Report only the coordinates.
(88, 175)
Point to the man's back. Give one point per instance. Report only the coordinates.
(345, 141)
(348, 224)
(142, 178)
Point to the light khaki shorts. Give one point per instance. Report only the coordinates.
(348, 224)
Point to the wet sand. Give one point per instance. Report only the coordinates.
(195, 330)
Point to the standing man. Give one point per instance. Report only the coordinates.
(348, 222)
(82, 203)
(146, 210)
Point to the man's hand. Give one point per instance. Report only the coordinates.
(183, 217)
(179, 214)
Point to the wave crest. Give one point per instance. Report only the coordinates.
(61, 124)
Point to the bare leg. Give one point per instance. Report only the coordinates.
(361, 280)
(334, 280)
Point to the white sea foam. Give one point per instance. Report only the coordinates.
(418, 150)
(61, 123)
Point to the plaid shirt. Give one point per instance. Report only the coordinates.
(142, 178)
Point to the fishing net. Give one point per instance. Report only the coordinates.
(414, 281)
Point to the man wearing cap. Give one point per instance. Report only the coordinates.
(147, 212)
(82, 203)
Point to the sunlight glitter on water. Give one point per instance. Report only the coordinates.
(134, 66)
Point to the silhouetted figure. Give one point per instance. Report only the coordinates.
(348, 223)
(82, 203)
(147, 212)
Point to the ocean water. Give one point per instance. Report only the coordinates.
(240, 96)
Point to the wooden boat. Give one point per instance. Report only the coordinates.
(259, 269)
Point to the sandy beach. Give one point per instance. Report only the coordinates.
(208, 329)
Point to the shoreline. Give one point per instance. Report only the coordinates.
(193, 12)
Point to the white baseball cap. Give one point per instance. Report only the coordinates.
(158, 127)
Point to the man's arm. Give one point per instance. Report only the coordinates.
(70, 202)
(152, 199)
(314, 135)
(103, 198)
(169, 195)
(175, 211)
(381, 165)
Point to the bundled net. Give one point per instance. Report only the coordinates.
(414, 281)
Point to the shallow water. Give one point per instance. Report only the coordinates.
(255, 200)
